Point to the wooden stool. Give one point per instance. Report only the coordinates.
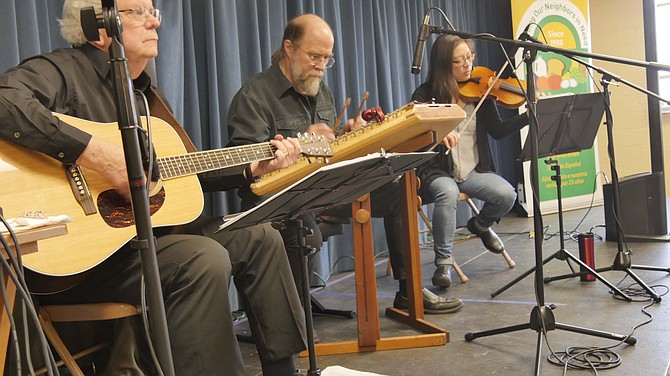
(466, 198)
(49, 314)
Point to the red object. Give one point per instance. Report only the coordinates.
(587, 255)
(373, 114)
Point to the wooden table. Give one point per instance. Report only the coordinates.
(28, 243)
(369, 337)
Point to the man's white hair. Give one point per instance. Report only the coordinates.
(70, 24)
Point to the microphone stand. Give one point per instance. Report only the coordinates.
(541, 317)
(127, 115)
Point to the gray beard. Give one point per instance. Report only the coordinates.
(310, 85)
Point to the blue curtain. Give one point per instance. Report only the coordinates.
(208, 48)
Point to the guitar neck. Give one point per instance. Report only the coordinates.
(195, 163)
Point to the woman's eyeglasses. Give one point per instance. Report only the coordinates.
(460, 61)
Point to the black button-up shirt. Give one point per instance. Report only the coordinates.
(267, 104)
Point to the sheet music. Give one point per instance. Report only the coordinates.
(274, 207)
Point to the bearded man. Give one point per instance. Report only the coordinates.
(289, 98)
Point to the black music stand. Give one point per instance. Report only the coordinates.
(336, 184)
(566, 118)
(566, 124)
(622, 261)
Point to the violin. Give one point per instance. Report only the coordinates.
(507, 92)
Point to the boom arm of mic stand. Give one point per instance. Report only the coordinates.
(548, 48)
(611, 77)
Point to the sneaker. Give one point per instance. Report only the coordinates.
(431, 303)
(490, 239)
(442, 276)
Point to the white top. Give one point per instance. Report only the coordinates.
(466, 154)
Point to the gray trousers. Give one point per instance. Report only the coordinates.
(195, 272)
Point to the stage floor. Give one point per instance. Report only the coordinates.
(584, 304)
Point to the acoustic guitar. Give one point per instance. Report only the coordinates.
(102, 222)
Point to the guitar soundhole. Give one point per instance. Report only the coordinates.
(118, 213)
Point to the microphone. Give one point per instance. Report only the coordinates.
(420, 42)
(525, 36)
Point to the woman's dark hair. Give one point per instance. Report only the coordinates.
(443, 86)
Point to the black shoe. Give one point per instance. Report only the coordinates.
(431, 303)
(442, 276)
(490, 239)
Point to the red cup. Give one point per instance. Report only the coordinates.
(587, 255)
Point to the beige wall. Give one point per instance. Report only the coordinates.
(617, 30)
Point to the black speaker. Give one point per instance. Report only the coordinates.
(643, 206)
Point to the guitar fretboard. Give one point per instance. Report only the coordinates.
(195, 163)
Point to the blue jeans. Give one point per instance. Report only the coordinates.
(498, 196)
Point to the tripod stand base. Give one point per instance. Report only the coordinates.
(567, 256)
(622, 262)
(544, 315)
(542, 321)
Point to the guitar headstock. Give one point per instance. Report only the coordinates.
(316, 146)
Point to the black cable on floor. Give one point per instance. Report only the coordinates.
(603, 358)
(585, 358)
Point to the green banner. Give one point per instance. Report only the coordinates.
(560, 24)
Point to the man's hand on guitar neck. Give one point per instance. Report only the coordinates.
(287, 153)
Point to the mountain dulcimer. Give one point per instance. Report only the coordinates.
(411, 128)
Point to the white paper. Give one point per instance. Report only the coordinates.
(23, 223)
(341, 371)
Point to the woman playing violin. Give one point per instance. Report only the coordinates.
(464, 162)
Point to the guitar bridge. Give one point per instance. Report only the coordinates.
(75, 176)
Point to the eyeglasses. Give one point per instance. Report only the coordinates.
(462, 60)
(329, 61)
(142, 13)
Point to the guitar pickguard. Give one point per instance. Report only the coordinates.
(118, 213)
